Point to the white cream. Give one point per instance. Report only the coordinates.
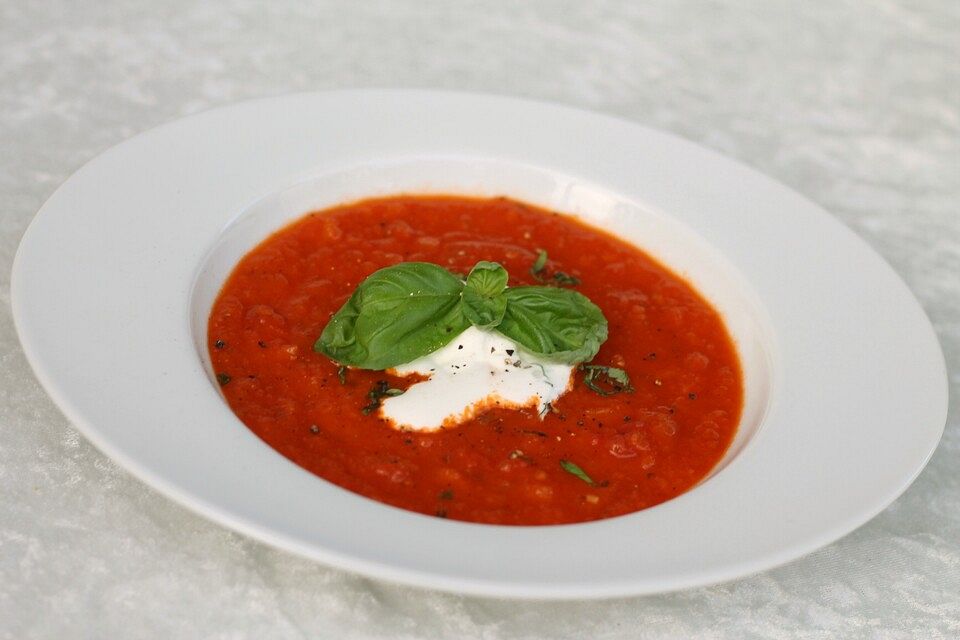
(477, 370)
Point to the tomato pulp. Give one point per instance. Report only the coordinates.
(502, 466)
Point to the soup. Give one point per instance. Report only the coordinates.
(603, 448)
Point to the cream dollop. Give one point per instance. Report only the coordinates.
(477, 370)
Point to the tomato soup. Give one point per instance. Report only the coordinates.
(636, 449)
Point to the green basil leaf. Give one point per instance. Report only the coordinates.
(565, 279)
(395, 316)
(380, 390)
(575, 470)
(487, 278)
(559, 324)
(616, 380)
(538, 265)
(484, 302)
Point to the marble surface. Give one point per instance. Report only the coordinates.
(856, 105)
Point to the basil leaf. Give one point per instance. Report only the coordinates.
(565, 279)
(575, 470)
(617, 380)
(559, 324)
(538, 265)
(395, 316)
(380, 390)
(487, 278)
(559, 278)
(483, 300)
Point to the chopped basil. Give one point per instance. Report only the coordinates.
(411, 309)
(223, 378)
(380, 390)
(565, 279)
(573, 469)
(560, 278)
(342, 374)
(538, 265)
(612, 379)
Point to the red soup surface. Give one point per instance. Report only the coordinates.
(502, 466)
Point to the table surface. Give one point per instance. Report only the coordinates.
(855, 105)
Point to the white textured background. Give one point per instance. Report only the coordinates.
(854, 104)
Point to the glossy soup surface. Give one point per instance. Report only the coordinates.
(503, 466)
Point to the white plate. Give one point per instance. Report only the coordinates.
(846, 385)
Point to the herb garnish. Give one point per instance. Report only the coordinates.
(406, 311)
(559, 277)
(538, 265)
(342, 374)
(380, 390)
(223, 378)
(395, 316)
(615, 380)
(565, 279)
(483, 299)
(573, 469)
